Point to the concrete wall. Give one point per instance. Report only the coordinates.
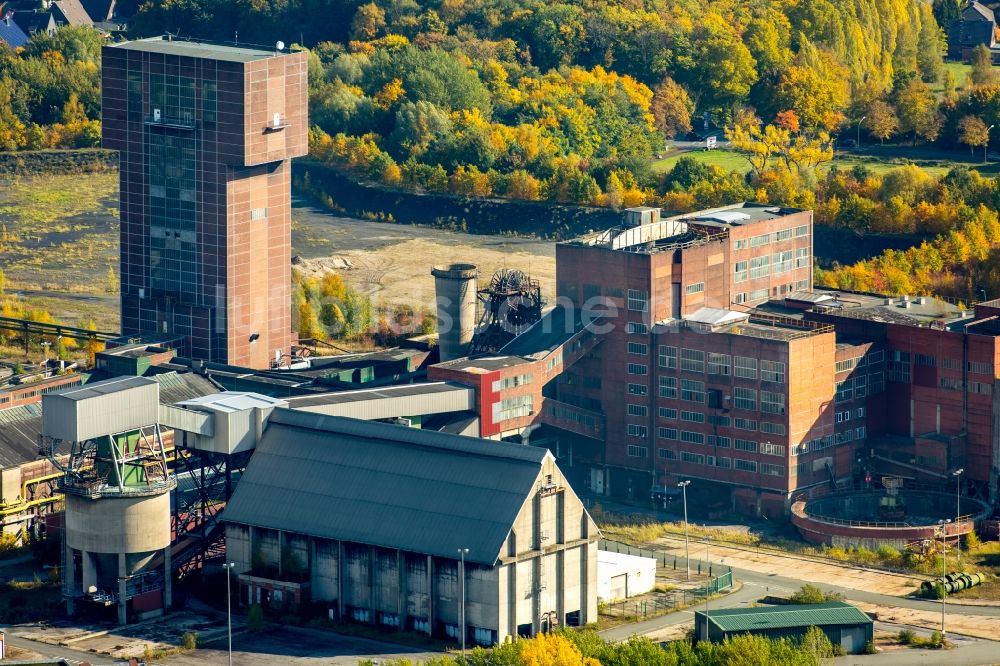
(118, 525)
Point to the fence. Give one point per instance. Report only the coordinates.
(674, 599)
(664, 559)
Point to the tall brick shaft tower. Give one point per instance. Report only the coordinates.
(206, 135)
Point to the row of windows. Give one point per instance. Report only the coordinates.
(695, 288)
(510, 408)
(763, 294)
(512, 382)
(693, 360)
(846, 414)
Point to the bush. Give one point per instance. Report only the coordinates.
(810, 594)
(906, 636)
(190, 640)
(255, 618)
(971, 541)
(870, 648)
(937, 640)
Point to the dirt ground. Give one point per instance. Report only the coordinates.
(60, 236)
(392, 262)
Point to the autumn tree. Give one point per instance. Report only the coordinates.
(881, 120)
(672, 108)
(972, 131)
(758, 143)
(309, 326)
(368, 21)
(916, 107)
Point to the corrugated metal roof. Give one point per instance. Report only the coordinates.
(103, 387)
(19, 431)
(716, 316)
(408, 390)
(233, 401)
(385, 485)
(21, 426)
(782, 617)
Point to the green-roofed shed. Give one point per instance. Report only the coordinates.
(844, 624)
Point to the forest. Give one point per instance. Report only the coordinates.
(569, 102)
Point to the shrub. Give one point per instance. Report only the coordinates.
(190, 640)
(870, 648)
(810, 594)
(972, 541)
(937, 640)
(906, 636)
(255, 618)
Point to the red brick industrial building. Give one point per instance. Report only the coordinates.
(206, 134)
(694, 347)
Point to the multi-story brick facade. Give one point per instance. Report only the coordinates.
(708, 356)
(206, 134)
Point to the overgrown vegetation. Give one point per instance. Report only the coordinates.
(810, 594)
(586, 648)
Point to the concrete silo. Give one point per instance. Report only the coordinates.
(455, 288)
(117, 488)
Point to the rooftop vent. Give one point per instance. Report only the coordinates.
(887, 301)
(921, 300)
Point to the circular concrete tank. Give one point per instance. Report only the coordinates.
(118, 524)
(852, 518)
(455, 288)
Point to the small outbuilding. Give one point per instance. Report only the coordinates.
(620, 575)
(844, 624)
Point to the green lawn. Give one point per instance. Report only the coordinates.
(960, 70)
(727, 159)
(732, 161)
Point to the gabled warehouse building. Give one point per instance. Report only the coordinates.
(370, 522)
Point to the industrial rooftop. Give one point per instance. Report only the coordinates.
(198, 49)
(385, 485)
(782, 617)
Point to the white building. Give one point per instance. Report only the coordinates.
(366, 521)
(620, 576)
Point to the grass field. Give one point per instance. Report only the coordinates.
(959, 70)
(877, 163)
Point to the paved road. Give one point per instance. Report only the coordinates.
(58, 651)
(284, 645)
(975, 653)
(746, 595)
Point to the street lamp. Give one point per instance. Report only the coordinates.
(228, 566)
(462, 552)
(683, 485)
(958, 510)
(986, 146)
(707, 586)
(943, 526)
(859, 129)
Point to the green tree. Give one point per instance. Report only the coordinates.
(717, 68)
(418, 125)
(929, 46)
(255, 618)
(916, 107)
(982, 73)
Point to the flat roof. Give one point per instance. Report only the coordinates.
(740, 214)
(198, 49)
(783, 617)
(913, 311)
(404, 391)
